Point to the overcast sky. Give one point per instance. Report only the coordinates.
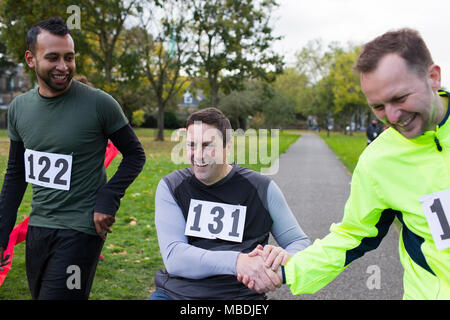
(360, 21)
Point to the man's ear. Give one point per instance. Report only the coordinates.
(434, 76)
(228, 148)
(30, 60)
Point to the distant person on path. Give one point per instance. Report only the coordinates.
(210, 216)
(59, 132)
(373, 131)
(403, 174)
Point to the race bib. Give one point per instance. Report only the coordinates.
(50, 170)
(211, 220)
(437, 212)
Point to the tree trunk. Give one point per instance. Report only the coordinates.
(214, 86)
(160, 120)
(350, 125)
(214, 97)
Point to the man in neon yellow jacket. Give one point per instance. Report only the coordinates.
(404, 173)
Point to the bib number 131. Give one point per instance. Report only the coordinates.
(213, 220)
(437, 211)
(50, 170)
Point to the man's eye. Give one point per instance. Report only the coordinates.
(401, 99)
(378, 107)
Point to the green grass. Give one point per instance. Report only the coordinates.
(131, 252)
(347, 148)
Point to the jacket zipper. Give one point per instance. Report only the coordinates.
(438, 144)
(436, 139)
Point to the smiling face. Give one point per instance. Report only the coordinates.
(206, 153)
(403, 99)
(53, 61)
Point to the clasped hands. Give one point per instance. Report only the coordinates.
(260, 269)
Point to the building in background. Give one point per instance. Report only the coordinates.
(189, 104)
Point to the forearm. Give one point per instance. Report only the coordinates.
(12, 192)
(285, 229)
(191, 262)
(313, 268)
(109, 195)
(297, 245)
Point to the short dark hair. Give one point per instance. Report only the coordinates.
(407, 43)
(54, 25)
(213, 117)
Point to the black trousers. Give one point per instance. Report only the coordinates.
(61, 263)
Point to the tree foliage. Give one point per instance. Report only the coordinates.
(161, 46)
(233, 41)
(332, 88)
(5, 61)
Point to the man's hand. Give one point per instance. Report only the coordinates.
(102, 223)
(3, 260)
(273, 256)
(252, 272)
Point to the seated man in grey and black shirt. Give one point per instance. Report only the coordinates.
(211, 215)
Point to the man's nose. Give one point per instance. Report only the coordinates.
(62, 65)
(198, 152)
(392, 113)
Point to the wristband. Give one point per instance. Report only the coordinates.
(283, 274)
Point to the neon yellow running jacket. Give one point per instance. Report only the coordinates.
(390, 177)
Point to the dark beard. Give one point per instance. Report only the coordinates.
(47, 79)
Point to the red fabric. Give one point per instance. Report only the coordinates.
(20, 231)
(16, 236)
(111, 153)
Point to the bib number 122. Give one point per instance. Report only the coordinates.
(49, 170)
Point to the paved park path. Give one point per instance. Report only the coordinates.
(316, 186)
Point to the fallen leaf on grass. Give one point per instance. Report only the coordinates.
(133, 221)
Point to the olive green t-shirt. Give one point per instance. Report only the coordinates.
(74, 125)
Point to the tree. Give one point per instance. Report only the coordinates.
(332, 88)
(312, 61)
(237, 106)
(162, 48)
(273, 108)
(279, 111)
(5, 62)
(233, 40)
(293, 85)
(346, 87)
(102, 26)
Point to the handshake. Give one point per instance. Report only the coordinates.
(260, 269)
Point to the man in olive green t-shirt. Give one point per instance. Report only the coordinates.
(59, 132)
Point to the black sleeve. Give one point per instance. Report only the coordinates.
(109, 195)
(13, 189)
